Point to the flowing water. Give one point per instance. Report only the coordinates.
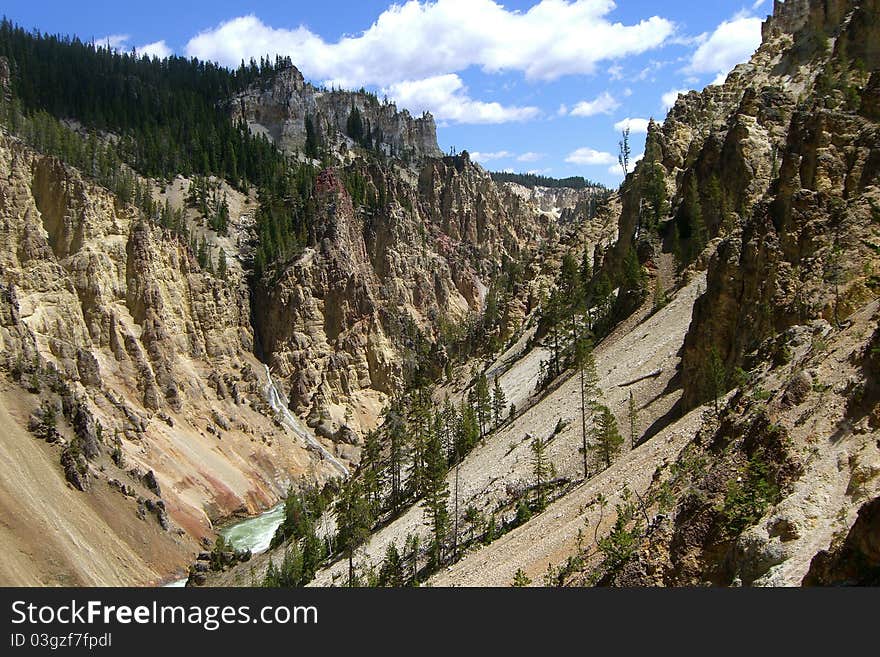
(252, 534)
(278, 402)
(256, 533)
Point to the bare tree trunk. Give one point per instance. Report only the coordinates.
(584, 422)
(455, 523)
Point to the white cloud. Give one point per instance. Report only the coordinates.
(590, 157)
(419, 40)
(477, 156)
(650, 71)
(115, 41)
(445, 96)
(615, 72)
(668, 99)
(617, 170)
(757, 4)
(636, 126)
(731, 43)
(158, 49)
(563, 110)
(604, 103)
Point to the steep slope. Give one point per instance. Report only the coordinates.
(757, 454)
(344, 323)
(141, 352)
(779, 166)
(114, 328)
(280, 108)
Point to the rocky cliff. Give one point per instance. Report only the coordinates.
(133, 364)
(344, 322)
(140, 369)
(280, 107)
(773, 187)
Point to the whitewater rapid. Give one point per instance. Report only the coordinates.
(255, 534)
(278, 402)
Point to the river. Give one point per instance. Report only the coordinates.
(256, 533)
(252, 534)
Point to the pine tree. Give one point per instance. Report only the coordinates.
(467, 433)
(632, 417)
(353, 519)
(520, 579)
(715, 376)
(411, 556)
(397, 443)
(491, 530)
(694, 213)
(290, 574)
(391, 572)
(606, 436)
(499, 403)
(312, 145)
(659, 294)
(541, 469)
(633, 273)
(589, 380)
(419, 429)
(202, 256)
(221, 265)
(483, 403)
(586, 269)
(354, 125)
(372, 470)
(220, 222)
(436, 496)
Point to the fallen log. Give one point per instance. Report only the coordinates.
(650, 375)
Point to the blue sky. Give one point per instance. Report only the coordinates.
(525, 86)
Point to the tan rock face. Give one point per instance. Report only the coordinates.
(104, 311)
(794, 162)
(280, 112)
(340, 322)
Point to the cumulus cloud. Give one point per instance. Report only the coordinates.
(505, 155)
(477, 156)
(446, 97)
(668, 99)
(158, 49)
(604, 103)
(114, 41)
(731, 43)
(419, 40)
(590, 157)
(617, 170)
(636, 126)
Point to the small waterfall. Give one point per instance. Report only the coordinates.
(278, 402)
